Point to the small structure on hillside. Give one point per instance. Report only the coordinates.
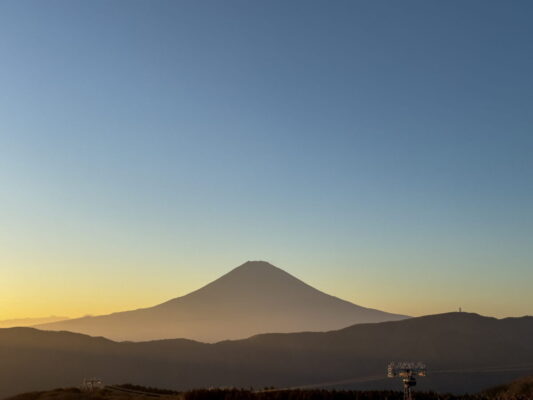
(92, 384)
(408, 371)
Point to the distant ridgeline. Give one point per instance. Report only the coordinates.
(464, 353)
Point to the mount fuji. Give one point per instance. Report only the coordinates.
(253, 298)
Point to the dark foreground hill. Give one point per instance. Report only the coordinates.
(254, 298)
(104, 394)
(464, 352)
(519, 389)
(134, 392)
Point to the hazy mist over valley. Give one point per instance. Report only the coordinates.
(9, 323)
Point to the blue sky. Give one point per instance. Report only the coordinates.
(379, 150)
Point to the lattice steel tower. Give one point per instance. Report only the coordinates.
(408, 371)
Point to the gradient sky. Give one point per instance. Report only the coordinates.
(382, 151)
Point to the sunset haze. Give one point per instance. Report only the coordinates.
(379, 151)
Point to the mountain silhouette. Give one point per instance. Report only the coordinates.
(463, 352)
(254, 298)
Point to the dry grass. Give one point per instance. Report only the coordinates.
(77, 394)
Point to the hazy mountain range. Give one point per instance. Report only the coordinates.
(9, 323)
(464, 352)
(254, 298)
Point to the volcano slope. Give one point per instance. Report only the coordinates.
(254, 298)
